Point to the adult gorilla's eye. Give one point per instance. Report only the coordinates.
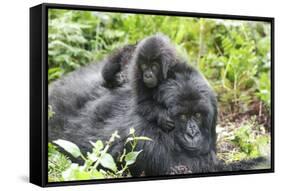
(183, 117)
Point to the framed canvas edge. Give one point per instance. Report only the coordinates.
(43, 78)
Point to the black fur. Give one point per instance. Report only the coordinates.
(69, 94)
(154, 48)
(115, 69)
(116, 110)
(88, 111)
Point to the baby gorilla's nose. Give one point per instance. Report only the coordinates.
(148, 74)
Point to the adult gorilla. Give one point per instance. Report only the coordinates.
(192, 105)
(69, 94)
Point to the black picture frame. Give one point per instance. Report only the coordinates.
(39, 91)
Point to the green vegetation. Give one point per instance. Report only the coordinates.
(61, 169)
(234, 56)
(245, 140)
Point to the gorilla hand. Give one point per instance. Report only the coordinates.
(165, 122)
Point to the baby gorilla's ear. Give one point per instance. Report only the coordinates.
(168, 61)
(165, 69)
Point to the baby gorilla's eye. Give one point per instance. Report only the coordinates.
(155, 66)
(143, 66)
(183, 117)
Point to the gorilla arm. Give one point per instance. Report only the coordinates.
(154, 112)
(114, 71)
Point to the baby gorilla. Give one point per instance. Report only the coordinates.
(153, 58)
(150, 73)
(151, 61)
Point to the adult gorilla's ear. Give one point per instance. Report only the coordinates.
(213, 125)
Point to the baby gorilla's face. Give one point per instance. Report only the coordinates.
(154, 56)
(150, 73)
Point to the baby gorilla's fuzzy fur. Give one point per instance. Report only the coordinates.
(151, 62)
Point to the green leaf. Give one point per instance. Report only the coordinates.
(98, 145)
(68, 174)
(75, 172)
(97, 174)
(132, 131)
(131, 157)
(107, 161)
(82, 175)
(93, 157)
(69, 147)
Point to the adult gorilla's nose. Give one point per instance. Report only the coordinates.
(192, 129)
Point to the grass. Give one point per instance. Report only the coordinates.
(242, 140)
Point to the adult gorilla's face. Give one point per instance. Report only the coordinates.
(192, 106)
(190, 136)
(192, 130)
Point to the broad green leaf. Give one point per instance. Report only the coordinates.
(131, 157)
(82, 175)
(97, 174)
(76, 172)
(107, 161)
(69, 147)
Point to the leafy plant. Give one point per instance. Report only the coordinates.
(51, 113)
(67, 45)
(264, 92)
(244, 141)
(99, 164)
(233, 55)
(57, 163)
